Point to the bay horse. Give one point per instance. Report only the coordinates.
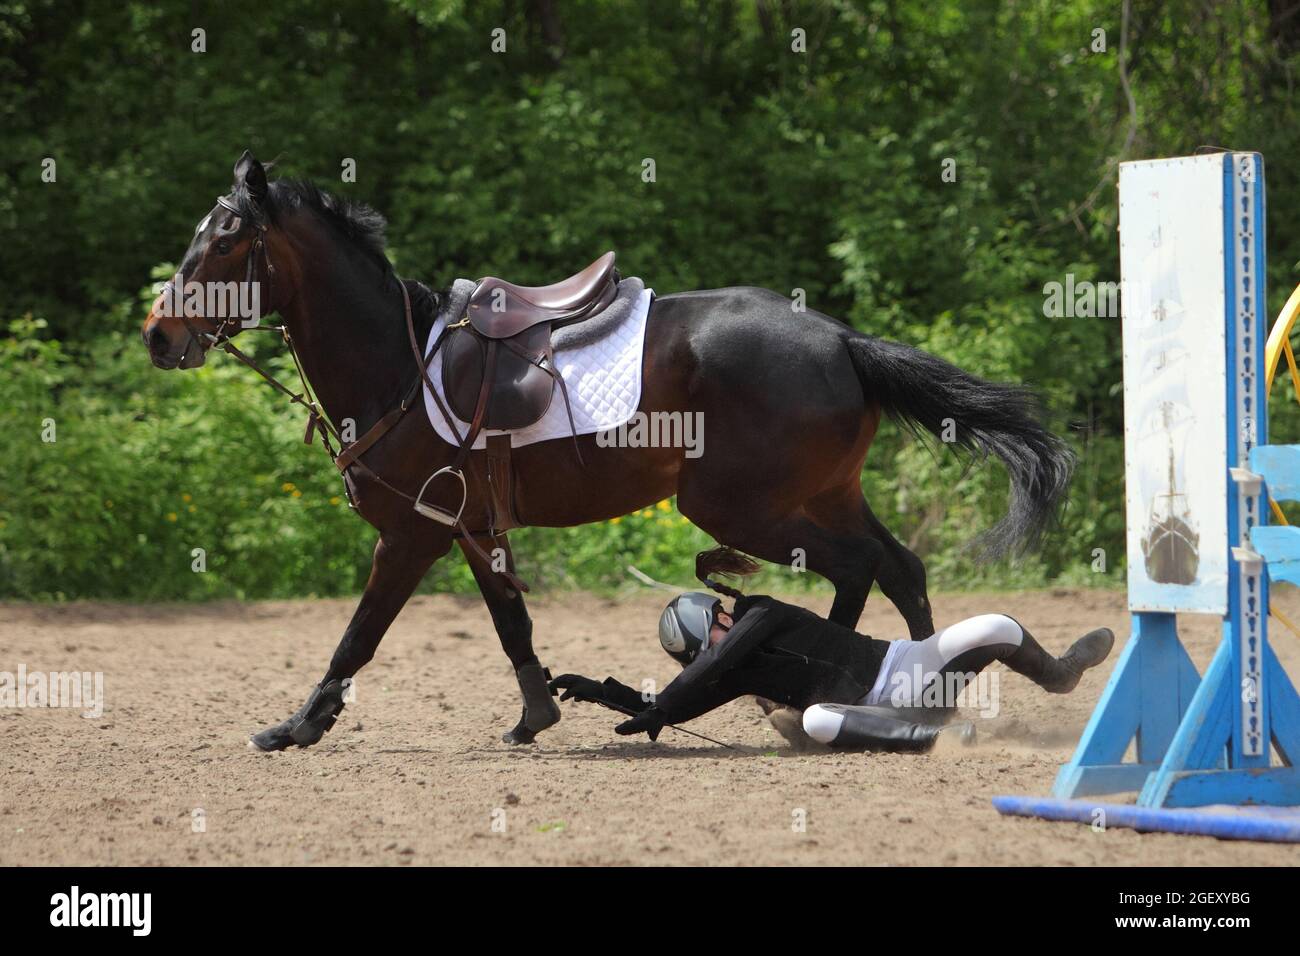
(791, 399)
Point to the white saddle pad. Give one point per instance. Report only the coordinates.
(603, 379)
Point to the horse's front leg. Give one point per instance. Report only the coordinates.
(515, 630)
(400, 561)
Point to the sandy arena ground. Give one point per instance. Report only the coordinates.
(415, 773)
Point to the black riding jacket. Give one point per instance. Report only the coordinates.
(775, 650)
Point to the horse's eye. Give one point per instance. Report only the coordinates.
(223, 246)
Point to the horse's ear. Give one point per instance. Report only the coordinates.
(251, 174)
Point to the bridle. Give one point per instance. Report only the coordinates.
(259, 245)
(221, 335)
(348, 456)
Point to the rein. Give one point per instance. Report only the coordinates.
(348, 456)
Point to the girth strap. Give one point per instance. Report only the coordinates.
(500, 481)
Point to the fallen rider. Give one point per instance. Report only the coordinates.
(853, 691)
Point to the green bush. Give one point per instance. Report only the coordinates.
(146, 467)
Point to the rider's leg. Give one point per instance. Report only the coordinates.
(912, 718)
(953, 657)
(877, 729)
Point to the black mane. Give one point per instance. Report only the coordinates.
(360, 223)
(357, 221)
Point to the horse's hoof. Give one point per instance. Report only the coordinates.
(294, 732)
(308, 725)
(532, 722)
(273, 738)
(519, 735)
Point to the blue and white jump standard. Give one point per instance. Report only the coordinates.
(1197, 471)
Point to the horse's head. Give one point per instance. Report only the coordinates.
(225, 279)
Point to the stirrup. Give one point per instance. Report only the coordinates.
(442, 515)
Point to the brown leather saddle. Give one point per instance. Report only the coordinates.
(498, 370)
(500, 353)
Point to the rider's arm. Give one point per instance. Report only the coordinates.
(623, 697)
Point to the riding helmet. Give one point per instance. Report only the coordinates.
(684, 626)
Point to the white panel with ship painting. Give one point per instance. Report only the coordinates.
(1175, 427)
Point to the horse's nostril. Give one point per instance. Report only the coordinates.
(157, 340)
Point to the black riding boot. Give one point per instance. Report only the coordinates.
(1060, 675)
(875, 729)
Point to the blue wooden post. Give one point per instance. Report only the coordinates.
(1148, 692)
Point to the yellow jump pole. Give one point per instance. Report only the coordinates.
(1279, 344)
(1279, 341)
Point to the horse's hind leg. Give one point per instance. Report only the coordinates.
(852, 563)
(902, 580)
(842, 552)
(842, 541)
(899, 572)
(515, 630)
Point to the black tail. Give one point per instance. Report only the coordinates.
(917, 389)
